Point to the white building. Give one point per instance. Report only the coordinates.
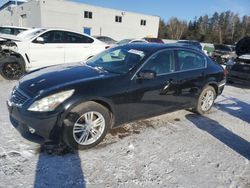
(79, 17)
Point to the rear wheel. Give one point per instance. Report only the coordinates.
(12, 70)
(86, 125)
(206, 100)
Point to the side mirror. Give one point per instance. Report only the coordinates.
(40, 40)
(146, 75)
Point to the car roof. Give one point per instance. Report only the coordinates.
(154, 47)
(60, 29)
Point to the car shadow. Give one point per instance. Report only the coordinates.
(236, 108)
(59, 171)
(227, 137)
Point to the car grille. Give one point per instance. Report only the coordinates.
(18, 97)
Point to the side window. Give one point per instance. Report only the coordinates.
(161, 63)
(190, 60)
(53, 37)
(77, 38)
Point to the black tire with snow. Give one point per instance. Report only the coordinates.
(12, 68)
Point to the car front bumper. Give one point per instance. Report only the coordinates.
(34, 127)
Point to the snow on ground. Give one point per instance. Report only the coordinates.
(179, 149)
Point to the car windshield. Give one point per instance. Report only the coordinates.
(30, 34)
(117, 60)
(125, 41)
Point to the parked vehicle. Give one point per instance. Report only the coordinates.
(107, 40)
(154, 40)
(239, 68)
(37, 48)
(79, 103)
(191, 42)
(222, 53)
(130, 41)
(11, 30)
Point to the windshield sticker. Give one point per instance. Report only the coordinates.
(137, 52)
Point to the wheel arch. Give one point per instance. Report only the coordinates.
(13, 56)
(215, 86)
(101, 101)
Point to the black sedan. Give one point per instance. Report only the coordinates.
(79, 103)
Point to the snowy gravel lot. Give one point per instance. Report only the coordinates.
(179, 149)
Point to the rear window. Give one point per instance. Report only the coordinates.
(77, 38)
(190, 60)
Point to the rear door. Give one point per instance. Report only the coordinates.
(191, 66)
(47, 53)
(77, 47)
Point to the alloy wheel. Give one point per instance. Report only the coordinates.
(207, 100)
(12, 71)
(89, 128)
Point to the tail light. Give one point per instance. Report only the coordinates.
(225, 72)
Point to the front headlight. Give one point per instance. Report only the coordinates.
(51, 102)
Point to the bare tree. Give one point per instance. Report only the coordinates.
(176, 28)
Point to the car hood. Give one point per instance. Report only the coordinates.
(243, 46)
(55, 77)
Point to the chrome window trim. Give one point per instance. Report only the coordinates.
(173, 49)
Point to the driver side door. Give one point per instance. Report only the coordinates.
(150, 97)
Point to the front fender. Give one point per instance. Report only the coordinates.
(75, 101)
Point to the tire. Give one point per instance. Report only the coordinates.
(201, 108)
(12, 70)
(78, 134)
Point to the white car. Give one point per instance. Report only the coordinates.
(37, 48)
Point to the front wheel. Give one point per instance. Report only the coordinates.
(12, 71)
(86, 125)
(206, 100)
